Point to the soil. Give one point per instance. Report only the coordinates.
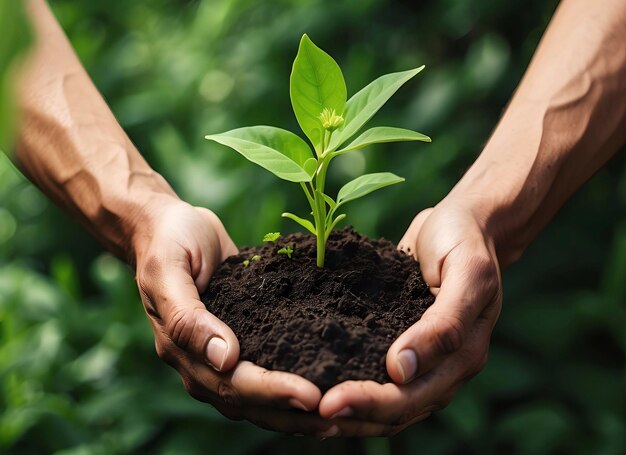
(328, 325)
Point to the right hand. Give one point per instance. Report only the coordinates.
(177, 250)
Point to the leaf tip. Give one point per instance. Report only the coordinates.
(305, 39)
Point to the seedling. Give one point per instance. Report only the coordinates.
(255, 258)
(288, 250)
(270, 237)
(318, 96)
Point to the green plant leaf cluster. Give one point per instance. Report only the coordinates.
(319, 98)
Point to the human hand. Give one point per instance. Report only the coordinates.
(176, 252)
(450, 343)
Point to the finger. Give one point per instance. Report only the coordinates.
(259, 386)
(471, 282)
(171, 298)
(389, 404)
(227, 245)
(247, 385)
(409, 241)
(211, 247)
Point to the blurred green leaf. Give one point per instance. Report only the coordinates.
(15, 39)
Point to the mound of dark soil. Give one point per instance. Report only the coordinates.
(328, 325)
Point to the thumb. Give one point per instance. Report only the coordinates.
(171, 298)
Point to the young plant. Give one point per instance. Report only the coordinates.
(271, 237)
(288, 250)
(255, 258)
(318, 96)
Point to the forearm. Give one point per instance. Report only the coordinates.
(567, 118)
(71, 146)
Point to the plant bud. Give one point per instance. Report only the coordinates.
(330, 120)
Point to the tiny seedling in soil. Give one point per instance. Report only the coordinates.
(329, 120)
(288, 250)
(271, 237)
(255, 258)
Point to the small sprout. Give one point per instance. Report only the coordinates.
(271, 237)
(330, 120)
(288, 250)
(255, 258)
(246, 263)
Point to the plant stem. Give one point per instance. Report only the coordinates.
(320, 204)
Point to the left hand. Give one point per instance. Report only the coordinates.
(448, 345)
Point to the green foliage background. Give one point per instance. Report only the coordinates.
(78, 373)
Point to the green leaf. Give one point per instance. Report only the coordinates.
(316, 83)
(365, 184)
(382, 134)
(301, 221)
(271, 237)
(279, 151)
(364, 104)
(288, 250)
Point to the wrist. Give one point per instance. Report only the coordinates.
(142, 215)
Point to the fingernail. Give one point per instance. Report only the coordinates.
(296, 404)
(407, 364)
(216, 352)
(345, 412)
(332, 431)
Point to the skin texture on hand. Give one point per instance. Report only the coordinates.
(177, 251)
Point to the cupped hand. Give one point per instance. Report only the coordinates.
(177, 251)
(449, 344)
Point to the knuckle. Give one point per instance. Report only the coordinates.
(180, 327)
(149, 272)
(149, 269)
(228, 394)
(486, 272)
(482, 263)
(449, 335)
